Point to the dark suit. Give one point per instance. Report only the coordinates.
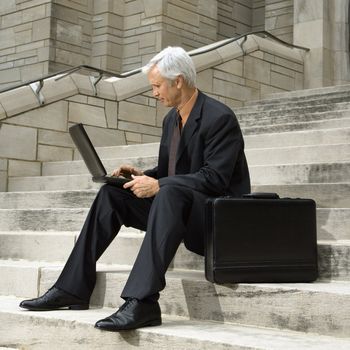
(210, 162)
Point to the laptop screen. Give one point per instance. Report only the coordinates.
(87, 150)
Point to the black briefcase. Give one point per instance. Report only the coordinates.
(260, 238)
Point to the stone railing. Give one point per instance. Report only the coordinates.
(123, 111)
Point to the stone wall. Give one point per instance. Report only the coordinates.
(38, 37)
(71, 34)
(279, 18)
(258, 20)
(124, 110)
(24, 40)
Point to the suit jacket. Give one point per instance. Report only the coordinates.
(210, 158)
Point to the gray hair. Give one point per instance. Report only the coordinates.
(172, 62)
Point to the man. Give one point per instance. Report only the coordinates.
(201, 155)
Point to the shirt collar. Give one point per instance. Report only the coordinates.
(186, 109)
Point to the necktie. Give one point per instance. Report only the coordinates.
(174, 145)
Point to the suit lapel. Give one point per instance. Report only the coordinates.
(191, 125)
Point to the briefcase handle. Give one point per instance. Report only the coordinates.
(261, 195)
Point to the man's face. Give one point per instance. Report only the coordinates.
(168, 93)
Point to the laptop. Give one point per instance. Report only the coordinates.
(91, 158)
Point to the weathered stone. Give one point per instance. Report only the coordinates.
(78, 98)
(132, 112)
(22, 281)
(33, 13)
(54, 90)
(206, 60)
(111, 110)
(3, 181)
(24, 168)
(138, 128)
(132, 86)
(86, 114)
(234, 67)
(55, 138)
(282, 81)
(53, 153)
(18, 100)
(68, 32)
(256, 69)
(205, 80)
(105, 137)
(150, 138)
(153, 7)
(41, 29)
(11, 148)
(232, 90)
(2, 113)
(33, 71)
(105, 90)
(7, 38)
(96, 101)
(183, 15)
(3, 164)
(52, 116)
(15, 245)
(132, 137)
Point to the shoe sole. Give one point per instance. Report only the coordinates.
(146, 324)
(69, 307)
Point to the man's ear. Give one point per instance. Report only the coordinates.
(179, 81)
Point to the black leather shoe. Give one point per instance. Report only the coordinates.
(54, 299)
(131, 315)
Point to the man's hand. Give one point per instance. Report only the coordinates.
(127, 171)
(143, 186)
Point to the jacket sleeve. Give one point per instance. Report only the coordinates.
(223, 143)
(152, 172)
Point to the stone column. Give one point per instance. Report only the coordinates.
(321, 25)
(107, 34)
(340, 41)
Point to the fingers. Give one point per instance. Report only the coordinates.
(143, 186)
(126, 171)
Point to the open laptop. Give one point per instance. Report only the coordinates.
(91, 158)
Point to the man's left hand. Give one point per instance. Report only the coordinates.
(143, 186)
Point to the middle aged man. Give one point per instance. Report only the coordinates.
(201, 155)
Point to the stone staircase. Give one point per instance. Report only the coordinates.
(297, 144)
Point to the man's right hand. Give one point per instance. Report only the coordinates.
(127, 171)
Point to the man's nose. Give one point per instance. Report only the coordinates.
(155, 92)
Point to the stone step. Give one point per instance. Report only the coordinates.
(319, 307)
(284, 139)
(303, 96)
(299, 154)
(260, 175)
(295, 113)
(332, 224)
(79, 167)
(298, 138)
(326, 195)
(56, 329)
(56, 246)
(262, 156)
(295, 126)
(141, 150)
(47, 199)
(300, 173)
(295, 110)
